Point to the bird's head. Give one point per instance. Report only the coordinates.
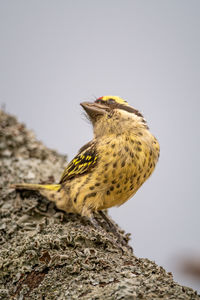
(113, 115)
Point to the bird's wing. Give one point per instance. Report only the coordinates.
(82, 163)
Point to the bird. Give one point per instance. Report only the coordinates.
(110, 168)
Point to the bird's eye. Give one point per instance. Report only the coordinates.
(111, 101)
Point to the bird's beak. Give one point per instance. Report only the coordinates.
(94, 109)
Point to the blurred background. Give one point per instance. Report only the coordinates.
(56, 54)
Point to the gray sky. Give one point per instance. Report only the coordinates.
(56, 54)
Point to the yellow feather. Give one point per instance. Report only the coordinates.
(116, 98)
(36, 187)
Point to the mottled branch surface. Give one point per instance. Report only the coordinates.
(48, 254)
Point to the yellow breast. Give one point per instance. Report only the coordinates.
(125, 164)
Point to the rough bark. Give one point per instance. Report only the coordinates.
(48, 254)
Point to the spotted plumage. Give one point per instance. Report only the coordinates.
(111, 168)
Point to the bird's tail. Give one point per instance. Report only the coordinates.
(35, 187)
(50, 191)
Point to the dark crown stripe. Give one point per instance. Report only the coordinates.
(130, 109)
(134, 111)
(115, 105)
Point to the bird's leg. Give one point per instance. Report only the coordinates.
(99, 228)
(95, 223)
(113, 228)
(107, 220)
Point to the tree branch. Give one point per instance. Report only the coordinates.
(49, 254)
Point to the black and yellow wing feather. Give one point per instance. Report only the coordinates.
(82, 163)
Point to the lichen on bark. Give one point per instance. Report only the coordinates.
(49, 254)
